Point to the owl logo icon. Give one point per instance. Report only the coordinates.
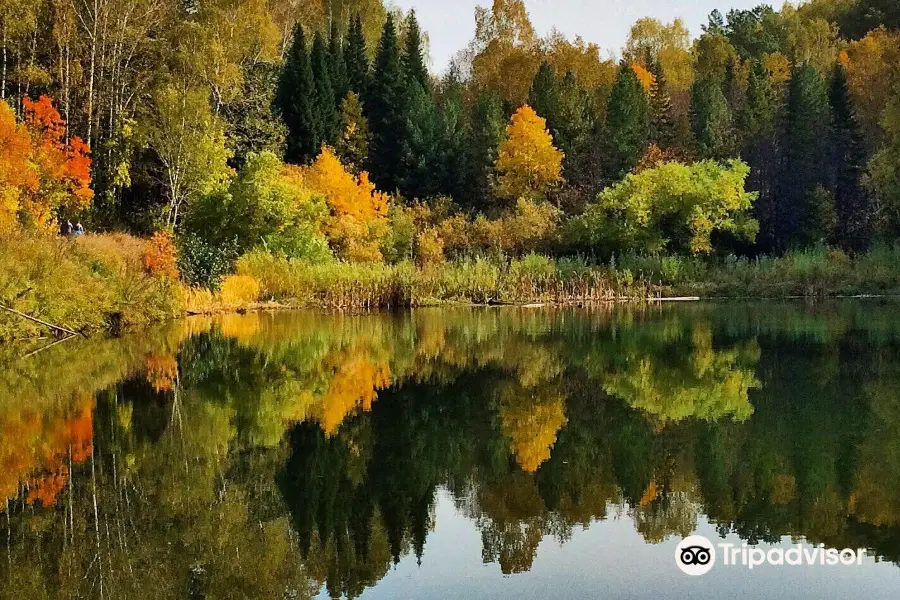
(695, 555)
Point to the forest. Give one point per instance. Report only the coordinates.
(240, 150)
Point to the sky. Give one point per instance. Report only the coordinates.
(451, 23)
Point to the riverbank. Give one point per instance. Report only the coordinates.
(110, 282)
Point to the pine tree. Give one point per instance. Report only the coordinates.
(387, 112)
(488, 127)
(662, 126)
(413, 61)
(627, 128)
(325, 107)
(295, 99)
(356, 59)
(804, 168)
(711, 120)
(338, 70)
(847, 162)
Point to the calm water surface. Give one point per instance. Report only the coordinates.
(455, 453)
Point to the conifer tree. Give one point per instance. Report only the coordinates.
(413, 60)
(454, 129)
(804, 168)
(387, 112)
(627, 128)
(573, 127)
(757, 119)
(488, 128)
(662, 126)
(352, 146)
(711, 120)
(847, 159)
(325, 107)
(356, 59)
(424, 168)
(295, 100)
(544, 95)
(339, 83)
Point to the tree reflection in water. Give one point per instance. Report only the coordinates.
(269, 455)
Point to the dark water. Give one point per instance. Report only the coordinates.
(456, 453)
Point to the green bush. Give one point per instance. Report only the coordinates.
(204, 264)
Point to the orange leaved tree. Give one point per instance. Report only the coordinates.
(358, 211)
(40, 172)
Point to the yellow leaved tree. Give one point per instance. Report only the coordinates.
(358, 212)
(528, 165)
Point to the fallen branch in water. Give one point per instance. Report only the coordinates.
(39, 322)
(41, 349)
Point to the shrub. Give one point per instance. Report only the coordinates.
(160, 258)
(83, 283)
(204, 264)
(429, 248)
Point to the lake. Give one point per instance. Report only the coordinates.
(457, 453)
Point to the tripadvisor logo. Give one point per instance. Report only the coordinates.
(696, 555)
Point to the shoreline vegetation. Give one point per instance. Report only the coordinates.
(269, 155)
(106, 283)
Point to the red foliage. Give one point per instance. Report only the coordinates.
(160, 257)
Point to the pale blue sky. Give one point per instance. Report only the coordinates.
(451, 23)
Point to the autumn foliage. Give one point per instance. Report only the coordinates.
(36, 450)
(528, 164)
(358, 211)
(160, 258)
(40, 172)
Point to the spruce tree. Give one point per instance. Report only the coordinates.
(662, 126)
(387, 111)
(356, 60)
(338, 70)
(804, 167)
(711, 120)
(413, 60)
(295, 100)
(847, 160)
(488, 127)
(627, 128)
(325, 107)
(424, 168)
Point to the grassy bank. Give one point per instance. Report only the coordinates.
(814, 273)
(479, 281)
(93, 283)
(85, 284)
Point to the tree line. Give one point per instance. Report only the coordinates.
(772, 130)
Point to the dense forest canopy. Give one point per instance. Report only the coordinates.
(319, 125)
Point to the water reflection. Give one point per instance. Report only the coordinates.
(271, 455)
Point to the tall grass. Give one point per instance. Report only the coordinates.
(85, 283)
(815, 272)
(375, 285)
